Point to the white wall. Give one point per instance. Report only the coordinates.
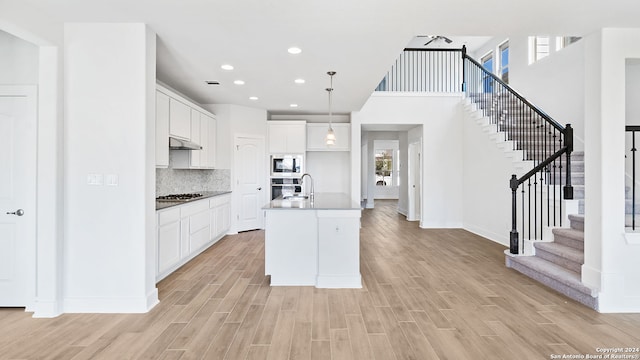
(19, 61)
(109, 129)
(485, 186)
(442, 201)
(403, 187)
(330, 170)
(232, 121)
(632, 92)
(610, 254)
(555, 84)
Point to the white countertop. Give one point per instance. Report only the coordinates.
(321, 201)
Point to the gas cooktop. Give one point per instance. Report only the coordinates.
(179, 197)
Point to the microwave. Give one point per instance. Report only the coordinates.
(286, 165)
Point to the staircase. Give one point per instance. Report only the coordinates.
(556, 263)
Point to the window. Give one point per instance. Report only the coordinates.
(504, 62)
(487, 63)
(564, 41)
(542, 46)
(538, 48)
(384, 167)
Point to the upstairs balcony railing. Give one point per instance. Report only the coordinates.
(541, 140)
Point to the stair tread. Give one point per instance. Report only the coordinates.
(553, 271)
(576, 217)
(563, 251)
(569, 233)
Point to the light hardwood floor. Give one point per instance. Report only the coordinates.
(428, 294)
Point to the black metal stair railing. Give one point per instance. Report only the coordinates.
(425, 70)
(540, 139)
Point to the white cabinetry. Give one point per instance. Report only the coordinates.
(179, 119)
(162, 130)
(203, 132)
(169, 247)
(316, 134)
(184, 231)
(208, 125)
(287, 137)
(220, 215)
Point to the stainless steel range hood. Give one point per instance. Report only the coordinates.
(179, 144)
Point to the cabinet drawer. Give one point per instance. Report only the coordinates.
(199, 238)
(219, 200)
(199, 221)
(194, 207)
(168, 216)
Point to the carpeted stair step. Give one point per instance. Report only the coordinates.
(569, 237)
(576, 222)
(561, 255)
(556, 277)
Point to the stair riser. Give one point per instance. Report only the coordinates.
(576, 244)
(577, 225)
(552, 283)
(559, 260)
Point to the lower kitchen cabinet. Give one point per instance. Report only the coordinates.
(184, 231)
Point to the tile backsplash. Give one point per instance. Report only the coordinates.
(177, 181)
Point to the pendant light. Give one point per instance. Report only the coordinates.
(330, 139)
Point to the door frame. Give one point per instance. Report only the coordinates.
(414, 212)
(30, 92)
(234, 186)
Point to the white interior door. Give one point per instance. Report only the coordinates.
(414, 181)
(250, 183)
(17, 193)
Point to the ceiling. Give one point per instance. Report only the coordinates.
(359, 40)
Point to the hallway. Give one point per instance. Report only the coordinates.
(428, 294)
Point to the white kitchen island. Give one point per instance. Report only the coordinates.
(313, 242)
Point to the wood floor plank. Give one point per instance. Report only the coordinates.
(264, 332)
(301, 342)
(360, 347)
(340, 344)
(220, 345)
(381, 347)
(281, 344)
(320, 350)
(427, 293)
(320, 329)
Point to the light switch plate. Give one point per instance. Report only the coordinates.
(112, 180)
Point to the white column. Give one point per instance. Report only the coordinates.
(109, 133)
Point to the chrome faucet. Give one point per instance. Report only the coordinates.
(302, 180)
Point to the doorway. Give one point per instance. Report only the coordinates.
(17, 194)
(249, 187)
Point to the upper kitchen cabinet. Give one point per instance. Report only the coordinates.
(203, 132)
(162, 130)
(179, 119)
(316, 134)
(287, 137)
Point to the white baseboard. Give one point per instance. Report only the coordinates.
(125, 305)
(46, 309)
(497, 238)
(339, 282)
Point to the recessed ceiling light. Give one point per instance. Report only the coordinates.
(226, 67)
(253, 98)
(238, 82)
(299, 81)
(293, 105)
(294, 50)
